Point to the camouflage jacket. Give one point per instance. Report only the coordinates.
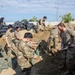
(26, 49)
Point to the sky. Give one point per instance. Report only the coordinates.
(14, 10)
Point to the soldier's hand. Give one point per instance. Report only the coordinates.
(72, 45)
(64, 48)
(60, 49)
(8, 46)
(34, 43)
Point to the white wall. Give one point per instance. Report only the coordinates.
(47, 23)
(7, 23)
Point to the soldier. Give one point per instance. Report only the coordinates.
(25, 47)
(41, 23)
(4, 64)
(53, 40)
(17, 36)
(68, 47)
(9, 41)
(12, 50)
(9, 36)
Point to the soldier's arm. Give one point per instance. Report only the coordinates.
(7, 39)
(62, 44)
(32, 44)
(40, 21)
(71, 32)
(44, 23)
(17, 36)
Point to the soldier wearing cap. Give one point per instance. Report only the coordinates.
(54, 39)
(9, 42)
(9, 36)
(41, 23)
(25, 47)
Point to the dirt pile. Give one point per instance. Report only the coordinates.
(69, 25)
(36, 36)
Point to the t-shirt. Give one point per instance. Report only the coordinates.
(9, 35)
(68, 37)
(17, 34)
(25, 48)
(43, 21)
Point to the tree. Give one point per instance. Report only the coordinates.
(24, 20)
(33, 19)
(67, 18)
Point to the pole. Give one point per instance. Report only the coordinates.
(57, 9)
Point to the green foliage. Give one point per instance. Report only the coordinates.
(67, 18)
(49, 25)
(24, 20)
(33, 19)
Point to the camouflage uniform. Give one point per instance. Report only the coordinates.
(41, 26)
(4, 63)
(16, 41)
(54, 39)
(26, 53)
(68, 38)
(22, 61)
(12, 48)
(9, 38)
(21, 56)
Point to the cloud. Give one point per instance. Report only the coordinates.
(52, 7)
(36, 5)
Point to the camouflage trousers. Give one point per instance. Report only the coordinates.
(12, 53)
(8, 52)
(22, 61)
(30, 55)
(69, 57)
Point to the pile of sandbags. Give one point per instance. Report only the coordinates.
(69, 25)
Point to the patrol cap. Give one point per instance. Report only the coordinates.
(45, 17)
(17, 27)
(28, 35)
(10, 26)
